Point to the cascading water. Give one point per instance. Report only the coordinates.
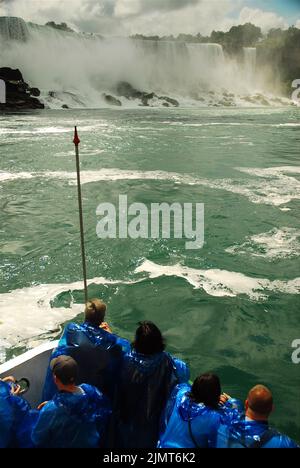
(250, 63)
(208, 65)
(12, 28)
(77, 68)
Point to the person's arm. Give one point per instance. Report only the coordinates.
(169, 408)
(24, 419)
(124, 344)
(182, 370)
(41, 432)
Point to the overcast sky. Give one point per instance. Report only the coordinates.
(162, 17)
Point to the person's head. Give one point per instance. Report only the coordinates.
(65, 371)
(95, 312)
(206, 389)
(259, 403)
(148, 339)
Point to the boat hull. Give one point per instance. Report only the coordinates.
(33, 366)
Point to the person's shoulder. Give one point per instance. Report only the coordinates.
(123, 343)
(72, 326)
(283, 441)
(69, 330)
(181, 368)
(90, 389)
(49, 407)
(95, 396)
(4, 389)
(182, 389)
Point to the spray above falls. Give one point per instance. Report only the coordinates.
(81, 70)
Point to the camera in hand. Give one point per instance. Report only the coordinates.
(23, 383)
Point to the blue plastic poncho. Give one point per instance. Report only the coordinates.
(146, 384)
(73, 420)
(16, 419)
(243, 433)
(204, 421)
(99, 356)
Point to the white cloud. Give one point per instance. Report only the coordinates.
(298, 24)
(264, 19)
(162, 17)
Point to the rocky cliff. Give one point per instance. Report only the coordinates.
(19, 95)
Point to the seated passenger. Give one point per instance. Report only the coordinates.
(96, 350)
(193, 414)
(252, 430)
(149, 374)
(16, 416)
(76, 417)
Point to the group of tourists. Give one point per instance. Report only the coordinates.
(101, 391)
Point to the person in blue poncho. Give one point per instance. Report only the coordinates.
(16, 416)
(97, 351)
(148, 377)
(76, 417)
(252, 429)
(193, 414)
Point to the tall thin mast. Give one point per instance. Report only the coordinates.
(76, 142)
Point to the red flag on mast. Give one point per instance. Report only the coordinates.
(76, 140)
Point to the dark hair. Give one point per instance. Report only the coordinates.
(206, 389)
(148, 339)
(95, 312)
(65, 368)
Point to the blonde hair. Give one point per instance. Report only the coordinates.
(95, 311)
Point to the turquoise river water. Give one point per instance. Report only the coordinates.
(231, 307)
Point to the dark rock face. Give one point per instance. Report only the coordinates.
(35, 92)
(170, 101)
(112, 100)
(18, 93)
(125, 89)
(128, 91)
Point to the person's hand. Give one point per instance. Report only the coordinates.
(10, 378)
(41, 406)
(106, 327)
(224, 398)
(15, 389)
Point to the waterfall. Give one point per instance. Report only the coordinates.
(211, 55)
(79, 68)
(250, 63)
(164, 63)
(12, 28)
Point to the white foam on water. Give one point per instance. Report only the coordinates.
(8, 176)
(275, 187)
(27, 318)
(221, 283)
(50, 130)
(100, 175)
(36, 131)
(231, 124)
(274, 244)
(27, 313)
(270, 186)
(270, 171)
(286, 125)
